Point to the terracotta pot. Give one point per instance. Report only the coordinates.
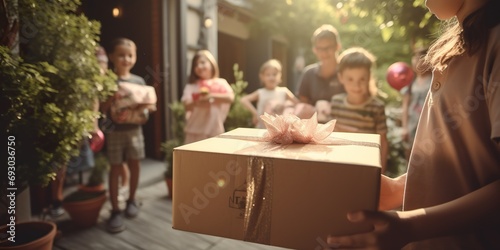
(86, 188)
(85, 213)
(168, 180)
(31, 235)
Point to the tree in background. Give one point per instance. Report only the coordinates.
(388, 28)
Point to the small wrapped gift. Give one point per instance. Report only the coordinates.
(130, 95)
(133, 103)
(290, 186)
(136, 115)
(208, 86)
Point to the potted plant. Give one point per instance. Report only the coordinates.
(84, 205)
(49, 84)
(37, 235)
(238, 116)
(177, 129)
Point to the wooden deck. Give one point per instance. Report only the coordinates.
(151, 230)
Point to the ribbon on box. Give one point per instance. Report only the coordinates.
(284, 130)
(287, 129)
(257, 222)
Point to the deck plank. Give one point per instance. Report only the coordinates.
(151, 230)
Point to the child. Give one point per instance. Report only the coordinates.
(450, 194)
(271, 94)
(414, 97)
(103, 60)
(358, 110)
(206, 98)
(319, 81)
(125, 142)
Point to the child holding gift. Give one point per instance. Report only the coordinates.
(450, 192)
(206, 98)
(358, 110)
(270, 94)
(125, 142)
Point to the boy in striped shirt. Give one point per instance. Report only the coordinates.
(358, 110)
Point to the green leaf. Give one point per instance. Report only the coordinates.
(387, 33)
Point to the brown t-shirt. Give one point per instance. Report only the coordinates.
(455, 151)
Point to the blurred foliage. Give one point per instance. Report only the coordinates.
(99, 170)
(396, 162)
(49, 87)
(177, 129)
(238, 116)
(390, 29)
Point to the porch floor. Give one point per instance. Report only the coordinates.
(151, 230)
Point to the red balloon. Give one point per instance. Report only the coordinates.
(97, 141)
(399, 75)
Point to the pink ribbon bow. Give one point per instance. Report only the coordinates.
(286, 129)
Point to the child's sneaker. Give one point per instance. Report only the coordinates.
(56, 209)
(56, 212)
(131, 210)
(122, 193)
(115, 222)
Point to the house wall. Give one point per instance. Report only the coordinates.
(198, 34)
(248, 48)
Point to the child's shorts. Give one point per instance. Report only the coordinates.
(125, 145)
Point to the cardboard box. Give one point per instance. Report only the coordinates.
(291, 196)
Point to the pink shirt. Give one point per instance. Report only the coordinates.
(454, 151)
(207, 119)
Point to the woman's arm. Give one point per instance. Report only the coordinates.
(393, 230)
(468, 213)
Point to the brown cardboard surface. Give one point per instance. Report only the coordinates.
(313, 187)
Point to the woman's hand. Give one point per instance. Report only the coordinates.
(391, 192)
(389, 232)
